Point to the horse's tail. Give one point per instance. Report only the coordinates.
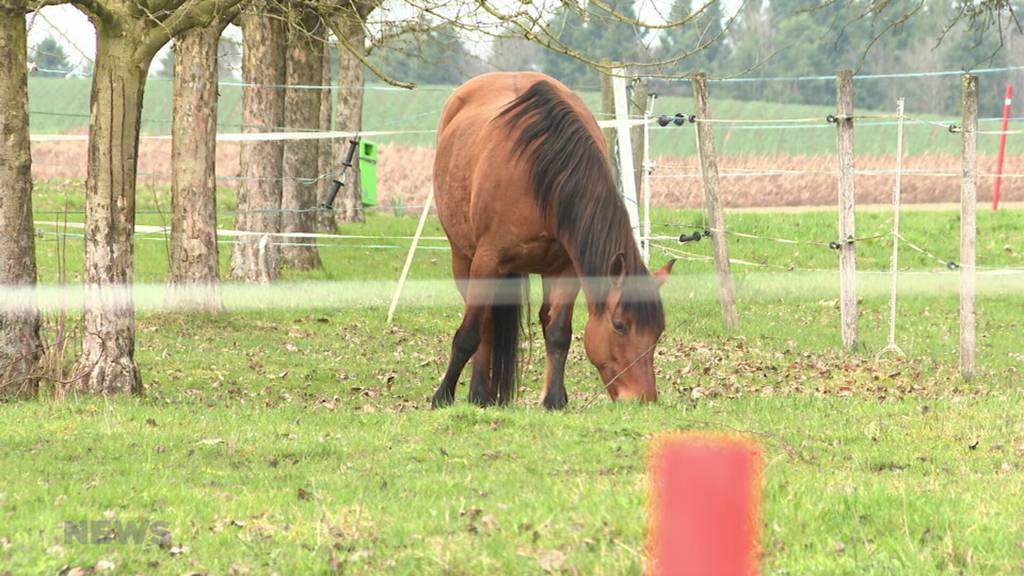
(506, 318)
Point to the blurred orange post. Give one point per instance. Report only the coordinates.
(703, 517)
(1007, 102)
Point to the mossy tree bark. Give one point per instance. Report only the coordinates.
(193, 277)
(20, 346)
(301, 157)
(257, 257)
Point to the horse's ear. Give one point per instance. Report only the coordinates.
(661, 274)
(617, 270)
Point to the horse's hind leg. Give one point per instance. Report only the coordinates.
(464, 345)
(480, 391)
(480, 385)
(478, 293)
(556, 318)
(460, 271)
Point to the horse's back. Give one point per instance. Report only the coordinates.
(480, 185)
(488, 93)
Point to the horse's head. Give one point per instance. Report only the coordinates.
(621, 335)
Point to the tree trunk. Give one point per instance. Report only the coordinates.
(326, 165)
(256, 258)
(107, 363)
(349, 117)
(301, 157)
(194, 265)
(19, 325)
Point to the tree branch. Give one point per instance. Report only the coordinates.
(339, 33)
(187, 15)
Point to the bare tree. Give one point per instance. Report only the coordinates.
(19, 325)
(194, 277)
(257, 256)
(128, 35)
(301, 159)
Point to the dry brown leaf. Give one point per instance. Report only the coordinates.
(551, 560)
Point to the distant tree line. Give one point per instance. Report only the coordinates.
(785, 38)
(781, 38)
(49, 58)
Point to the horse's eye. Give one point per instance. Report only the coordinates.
(619, 326)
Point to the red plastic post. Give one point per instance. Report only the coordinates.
(704, 506)
(1007, 101)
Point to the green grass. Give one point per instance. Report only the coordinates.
(299, 440)
(61, 105)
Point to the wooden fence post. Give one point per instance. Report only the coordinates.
(709, 174)
(968, 225)
(608, 111)
(847, 249)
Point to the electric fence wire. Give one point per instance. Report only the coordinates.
(58, 236)
(856, 78)
(739, 123)
(735, 80)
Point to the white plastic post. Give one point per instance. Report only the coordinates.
(891, 345)
(409, 256)
(624, 139)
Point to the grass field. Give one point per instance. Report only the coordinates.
(61, 105)
(296, 437)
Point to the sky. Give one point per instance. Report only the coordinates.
(75, 32)
(68, 26)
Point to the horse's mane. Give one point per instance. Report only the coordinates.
(576, 191)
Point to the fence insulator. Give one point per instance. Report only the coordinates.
(678, 119)
(695, 237)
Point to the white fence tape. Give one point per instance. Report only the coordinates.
(283, 136)
(149, 229)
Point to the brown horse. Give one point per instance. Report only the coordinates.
(523, 185)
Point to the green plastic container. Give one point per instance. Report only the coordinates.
(368, 172)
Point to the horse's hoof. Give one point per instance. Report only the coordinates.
(555, 402)
(441, 400)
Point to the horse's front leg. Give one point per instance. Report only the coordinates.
(479, 292)
(556, 318)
